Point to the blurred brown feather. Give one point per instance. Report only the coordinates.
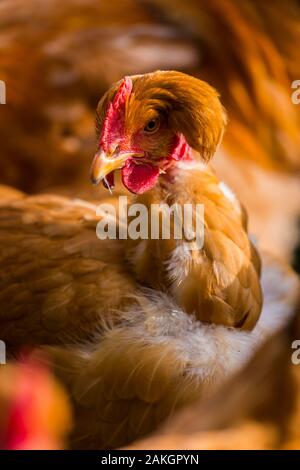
(162, 360)
(60, 283)
(261, 410)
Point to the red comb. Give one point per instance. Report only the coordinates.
(123, 92)
(113, 127)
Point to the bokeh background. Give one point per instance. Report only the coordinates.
(57, 58)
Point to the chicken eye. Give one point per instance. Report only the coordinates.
(152, 126)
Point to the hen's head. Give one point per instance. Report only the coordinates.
(147, 123)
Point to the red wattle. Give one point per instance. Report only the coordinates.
(139, 178)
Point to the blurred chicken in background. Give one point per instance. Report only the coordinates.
(34, 411)
(56, 61)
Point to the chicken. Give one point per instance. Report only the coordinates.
(161, 129)
(145, 348)
(62, 283)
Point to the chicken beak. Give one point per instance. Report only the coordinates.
(103, 164)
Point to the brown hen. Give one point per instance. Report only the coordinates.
(220, 282)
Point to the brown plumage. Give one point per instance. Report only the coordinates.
(262, 406)
(219, 283)
(134, 372)
(136, 375)
(248, 53)
(59, 281)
